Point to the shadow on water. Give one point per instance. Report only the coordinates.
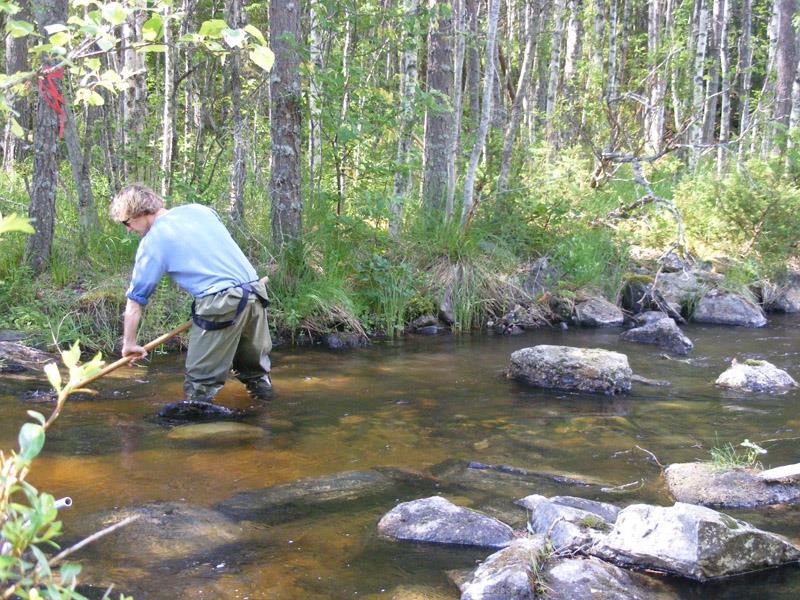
(429, 406)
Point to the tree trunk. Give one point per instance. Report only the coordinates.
(79, 163)
(473, 61)
(42, 207)
(712, 77)
(438, 119)
(599, 30)
(516, 107)
(611, 79)
(235, 19)
(725, 92)
(486, 113)
(746, 68)
(555, 69)
(314, 99)
(574, 42)
(133, 101)
(408, 89)
(168, 117)
(16, 61)
(285, 104)
(654, 114)
(786, 65)
(455, 135)
(698, 96)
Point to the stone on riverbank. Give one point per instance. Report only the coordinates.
(678, 288)
(439, 521)
(598, 312)
(691, 541)
(663, 333)
(755, 376)
(568, 528)
(725, 308)
(567, 368)
(787, 298)
(280, 502)
(704, 484)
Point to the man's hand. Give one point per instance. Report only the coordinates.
(135, 352)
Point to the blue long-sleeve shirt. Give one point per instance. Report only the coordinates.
(191, 245)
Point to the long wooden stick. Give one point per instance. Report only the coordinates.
(126, 360)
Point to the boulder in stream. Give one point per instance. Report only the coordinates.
(598, 312)
(663, 333)
(726, 308)
(567, 368)
(568, 528)
(281, 502)
(691, 541)
(787, 297)
(703, 483)
(217, 432)
(436, 520)
(508, 573)
(755, 376)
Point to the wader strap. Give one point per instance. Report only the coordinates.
(207, 325)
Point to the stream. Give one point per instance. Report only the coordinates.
(414, 405)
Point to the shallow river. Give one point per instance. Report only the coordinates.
(411, 404)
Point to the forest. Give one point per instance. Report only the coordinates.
(377, 157)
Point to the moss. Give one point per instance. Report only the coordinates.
(594, 522)
(730, 522)
(752, 362)
(636, 278)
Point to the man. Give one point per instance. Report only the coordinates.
(191, 245)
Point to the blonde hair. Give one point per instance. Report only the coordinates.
(134, 201)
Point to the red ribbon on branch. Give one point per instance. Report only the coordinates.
(51, 95)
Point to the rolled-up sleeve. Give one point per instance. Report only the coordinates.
(147, 272)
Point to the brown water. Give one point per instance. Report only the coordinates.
(411, 404)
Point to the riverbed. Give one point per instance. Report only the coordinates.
(414, 405)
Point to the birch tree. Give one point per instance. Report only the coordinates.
(786, 65)
(725, 91)
(554, 68)
(168, 112)
(745, 67)
(17, 61)
(234, 18)
(314, 96)
(490, 73)
(698, 95)
(654, 113)
(455, 136)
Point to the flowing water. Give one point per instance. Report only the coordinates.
(412, 405)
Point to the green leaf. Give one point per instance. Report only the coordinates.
(18, 29)
(213, 28)
(263, 57)
(105, 44)
(153, 28)
(7, 7)
(256, 33)
(114, 13)
(31, 441)
(17, 129)
(36, 415)
(14, 222)
(72, 356)
(53, 375)
(235, 38)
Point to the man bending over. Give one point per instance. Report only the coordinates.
(191, 245)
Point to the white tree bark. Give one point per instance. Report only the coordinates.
(486, 113)
(611, 79)
(745, 67)
(314, 98)
(654, 113)
(725, 91)
(555, 68)
(460, 36)
(168, 118)
(698, 95)
(235, 19)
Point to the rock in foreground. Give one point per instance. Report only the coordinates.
(439, 521)
(508, 573)
(567, 368)
(755, 376)
(569, 528)
(692, 541)
(702, 483)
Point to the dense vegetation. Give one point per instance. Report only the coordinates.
(610, 126)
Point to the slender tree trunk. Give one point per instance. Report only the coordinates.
(486, 113)
(766, 99)
(516, 108)
(712, 76)
(455, 135)
(79, 164)
(555, 69)
(133, 102)
(725, 92)
(473, 61)
(746, 69)
(698, 96)
(168, 118)
(574, 42)
(599, 31)
(794, 120)
(17, 61)
(285, 101)
(42, 207)
(611, 79)
(408, 88)
(340, 147)
(235, 19)
(654, 114)
(438, 118)
(314, 99)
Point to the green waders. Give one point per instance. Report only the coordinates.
(243, 346)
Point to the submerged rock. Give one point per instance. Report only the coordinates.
(195, 410)
(279, 499)
(567, 368)
(217, 432)
(663, 333)
(755, 376)
(508, 573)
(691, 541)
(568, 528)
(702, 483)
(725, 308)
(598, 312)
(572, 578)
(164, 531)
(341, 340)
(439, 521)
